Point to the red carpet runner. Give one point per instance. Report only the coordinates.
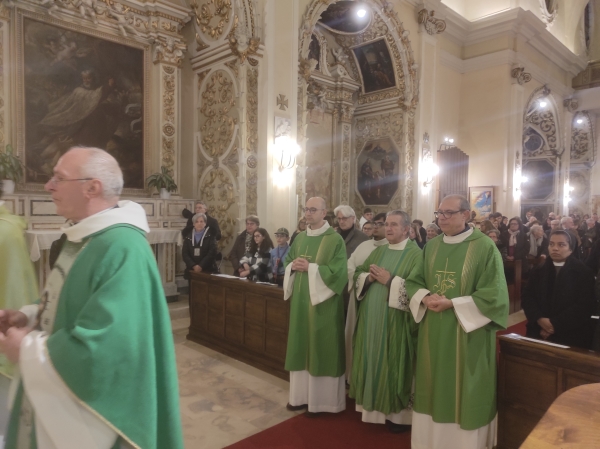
(333, 431)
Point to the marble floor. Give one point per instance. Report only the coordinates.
(223, 400)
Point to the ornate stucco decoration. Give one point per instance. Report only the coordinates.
(168, 117)
(583, 140)
(571, 104)
(252, 140)
(549, 11)
(431, 24)
(168, 50)
(540, 130)
(218, 190)
(212, 16)
(242, 45)
(520, 75)
(219, 121)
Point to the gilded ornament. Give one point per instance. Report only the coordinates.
(520, 75)
(252, 161)
(212, 16)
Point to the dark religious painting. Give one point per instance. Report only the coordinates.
(343, 16)
(81, 90)
(314, 51)
(377, 172)
(375, 66)
(540, 180)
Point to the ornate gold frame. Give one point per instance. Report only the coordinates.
(18, 82)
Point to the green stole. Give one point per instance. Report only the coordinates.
(456, 371)
(316, 333)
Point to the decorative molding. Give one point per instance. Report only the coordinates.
(583, 140)
(345, 165)
(212, 17)
(549, 14)
(168, 50)
(520, 75)
(430, 23)
(241, 45)
(571, 104)
(252, 139)
(168, 118)
(282, 102)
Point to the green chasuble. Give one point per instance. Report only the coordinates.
(455, 379)
(385, 338)
(316, 333)
(110, 339)
(18, 283)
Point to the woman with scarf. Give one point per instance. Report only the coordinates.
(517, 246)
(538, 243)
(256, 264)
(199, 248)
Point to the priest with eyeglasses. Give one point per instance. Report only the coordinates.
(459, 298)
(315, 276)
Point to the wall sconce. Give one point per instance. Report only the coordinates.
(286, 150)
(430, 170)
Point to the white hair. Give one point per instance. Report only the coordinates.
(563, 220)
(346, 210)
(401, 213)
(102, 166)
(198, 216)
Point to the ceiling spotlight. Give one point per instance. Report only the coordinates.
(361, 12)
(543, 104)
(448, 140)
(579, 121)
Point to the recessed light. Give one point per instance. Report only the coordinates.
(361, 12)
(543, 104)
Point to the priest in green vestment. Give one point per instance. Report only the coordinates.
(459, 298)
(315, 276)
(385, 339)
(96, 358)
(18, 286)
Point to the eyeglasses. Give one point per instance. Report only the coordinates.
(312, 210)
(54, 180)
(379, 224)
(447, 213)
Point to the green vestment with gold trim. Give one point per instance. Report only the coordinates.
(455, 380)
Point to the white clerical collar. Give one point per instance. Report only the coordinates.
(316, 232)
(459, 238)
(128, 212)
(380, 242)
(399, 246)
(558, 264)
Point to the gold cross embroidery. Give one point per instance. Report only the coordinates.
(445, 280)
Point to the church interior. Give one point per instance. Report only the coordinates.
(255, 106)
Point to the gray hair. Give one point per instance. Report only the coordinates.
(536, 227)
(433, 226)
(253, 219)
(200, 202)
(563, 220)
(493, 231)
(346, 210)
(198, 216)
(102, 166)
(401, 213)
(464, 203)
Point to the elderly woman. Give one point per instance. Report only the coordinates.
(256, 264)
(538, 242)
(494, 234)
(432, 231)
(559, 297)
(199, 248)
(515, 240)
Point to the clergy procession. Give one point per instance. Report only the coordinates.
(92, 360)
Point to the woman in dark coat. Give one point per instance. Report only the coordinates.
(559, 298)
(199, 248)
(256, 264)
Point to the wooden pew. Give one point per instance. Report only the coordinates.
(531, 377)
(514, 287)
(245, 320)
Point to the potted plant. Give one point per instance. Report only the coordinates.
(11, 170)
(163, 183)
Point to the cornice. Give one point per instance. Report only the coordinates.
(514, 22)
(170, 10)
(505, 58)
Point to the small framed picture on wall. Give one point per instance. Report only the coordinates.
(481, 200)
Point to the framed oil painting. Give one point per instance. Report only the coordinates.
(376, 66)
(377, 172)
(481, 200)
(80, 89)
